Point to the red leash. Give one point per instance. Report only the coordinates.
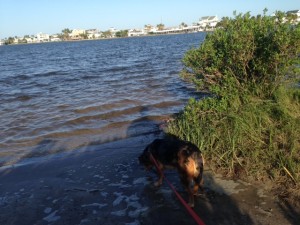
(188, 208)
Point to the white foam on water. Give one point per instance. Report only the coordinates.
(104, 194)
(137, 212)
(141, 180)
(119, 212)
(99, 205)
(118, 200)
(52, 217)
(47, 210)
(133, 223)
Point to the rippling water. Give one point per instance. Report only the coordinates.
(59, 96)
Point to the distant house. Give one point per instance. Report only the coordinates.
(149, 28)
(93, 34)
(295, 12)
(76, 34)
(168, 30)
(29, 40)
(41, 37)
(208, 22)
(113, 31)
(16, 40)
(55, 38)
(136, 32)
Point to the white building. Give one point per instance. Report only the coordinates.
(29, 40)
(208, 22)
(113, 31)
(295, 12)
(93, 34)
(136, 32)
(149, 28)
(54, 38)
(76, 34)
(42, 37)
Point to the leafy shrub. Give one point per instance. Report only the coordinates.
(250, 124)
(252, 54)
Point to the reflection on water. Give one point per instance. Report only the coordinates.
(59, 96)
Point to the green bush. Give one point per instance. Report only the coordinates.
(247, 54)
(250, 124)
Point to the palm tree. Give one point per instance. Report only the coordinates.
(183, 24)
(160, 26)
(66, 33)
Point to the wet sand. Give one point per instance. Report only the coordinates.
(103, 184)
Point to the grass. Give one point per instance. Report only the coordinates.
(257, 139)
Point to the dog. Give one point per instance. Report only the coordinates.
(176, 154)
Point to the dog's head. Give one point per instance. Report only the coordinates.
(145, 160)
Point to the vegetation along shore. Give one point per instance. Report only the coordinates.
(248, 127)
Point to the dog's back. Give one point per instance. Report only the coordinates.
(172, 151)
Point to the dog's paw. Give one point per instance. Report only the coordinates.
(198, 194)
(191, 204)
(157, 183)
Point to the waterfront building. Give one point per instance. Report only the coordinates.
(29, 40)
(295, 12)
(16, 40)
(136, 32)
(208, 22)
(149, 28)
(93, 34)
(113, 31)
(41, 37)
(54, 38)
(76, 34)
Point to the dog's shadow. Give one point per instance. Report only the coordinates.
(212, 205)
(216, 206)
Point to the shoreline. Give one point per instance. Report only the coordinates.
(99, 39)
(106, 185)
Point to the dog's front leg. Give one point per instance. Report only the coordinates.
(188, 183)
(191, 197)
(160, 175)
(159, 181)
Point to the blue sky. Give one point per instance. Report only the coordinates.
(21, 17)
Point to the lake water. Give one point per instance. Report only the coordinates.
(57, 97)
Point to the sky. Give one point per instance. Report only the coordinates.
(29, 17)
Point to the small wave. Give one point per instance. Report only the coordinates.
(23, 77)
(107, 116)
(117, 69)
(118, 113)
(89, 77)
(120, 104)
(23, 98)
(166, 104)
(47, 74)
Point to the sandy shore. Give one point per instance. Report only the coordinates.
(103, 184)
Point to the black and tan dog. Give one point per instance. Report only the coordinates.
(181, 155)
